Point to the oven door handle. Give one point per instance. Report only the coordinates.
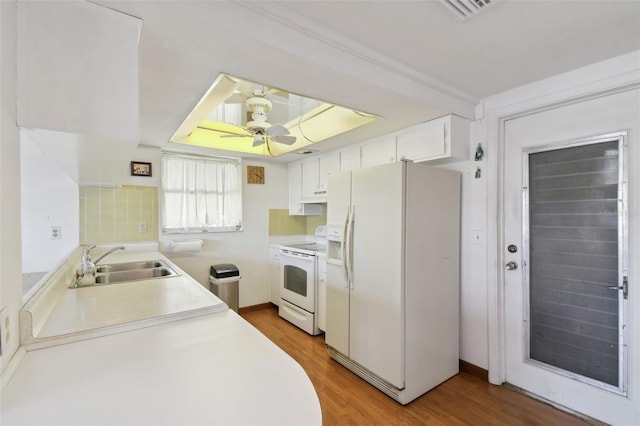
(299, 256)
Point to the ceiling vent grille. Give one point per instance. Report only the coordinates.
(465, 9)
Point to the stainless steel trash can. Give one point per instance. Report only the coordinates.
(225, 283)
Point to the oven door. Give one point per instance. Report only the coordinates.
(298, 279)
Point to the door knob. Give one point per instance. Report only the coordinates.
(511, 266)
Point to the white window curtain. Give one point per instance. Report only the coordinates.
(201, 194)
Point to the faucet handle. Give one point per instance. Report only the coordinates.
(87, 250)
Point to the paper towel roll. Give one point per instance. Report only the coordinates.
(185, 245)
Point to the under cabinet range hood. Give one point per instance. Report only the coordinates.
(240, 115)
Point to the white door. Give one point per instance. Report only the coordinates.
(569, 337)
(376, 310)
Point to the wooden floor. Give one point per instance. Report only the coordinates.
(348, 400)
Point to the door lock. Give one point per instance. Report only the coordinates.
(624, 287)
(511, 266)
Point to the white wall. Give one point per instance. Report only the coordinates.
(248, 249)
(49, 198)
(48, 189)
(10, 246)
(473, 256)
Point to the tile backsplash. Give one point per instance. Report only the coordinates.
(118, 215)
(281, 223)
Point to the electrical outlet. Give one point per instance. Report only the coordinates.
(4, 329)
(56, 232)
(142, 226)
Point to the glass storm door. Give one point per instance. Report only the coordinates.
(565, 251)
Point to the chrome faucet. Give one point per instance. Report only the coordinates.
(107, 254)
(86, 270)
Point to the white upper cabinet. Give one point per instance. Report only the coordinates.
(296, 206)
(311, 180)
(314, 176)
(381, 151)
(350, 158)
(78, 69)
(329, 163)
(444, 139)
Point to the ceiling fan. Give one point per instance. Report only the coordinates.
(259, 105)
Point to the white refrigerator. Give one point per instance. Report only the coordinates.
(393, 275)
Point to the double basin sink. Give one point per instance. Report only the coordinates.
(133, 271)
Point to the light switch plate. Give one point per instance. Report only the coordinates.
(478, 236)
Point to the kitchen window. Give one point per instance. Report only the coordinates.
(201, 193)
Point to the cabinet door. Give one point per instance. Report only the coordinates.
(295, 187)
(275, 280)
(296, 207)
(350, 158)
(378, 152)
(322, 293)
(310, 177)
(425, 141)
(329, 163)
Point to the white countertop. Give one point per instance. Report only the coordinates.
(214, 369)
(80, 313)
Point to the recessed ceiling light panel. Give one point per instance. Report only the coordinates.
(214, 120)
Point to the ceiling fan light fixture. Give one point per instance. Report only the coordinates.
(258, 140)
(307, 120)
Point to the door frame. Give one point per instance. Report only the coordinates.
(588, 83)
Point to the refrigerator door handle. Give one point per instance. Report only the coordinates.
(345, 229)
(352, 221)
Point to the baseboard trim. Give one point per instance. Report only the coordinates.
(474, 370)
(258, 307)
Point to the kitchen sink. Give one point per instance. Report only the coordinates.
(135, 275)
(112, 273)
(128, 266)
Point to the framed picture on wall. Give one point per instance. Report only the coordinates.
(139, 168)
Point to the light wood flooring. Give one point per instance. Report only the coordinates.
(348, 400)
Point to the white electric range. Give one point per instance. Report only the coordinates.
(299, 291)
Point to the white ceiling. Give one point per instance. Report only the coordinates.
(408, 61)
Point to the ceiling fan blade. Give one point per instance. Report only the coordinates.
(277, 130)
(235, 136)
(231, 133)
(284, 139)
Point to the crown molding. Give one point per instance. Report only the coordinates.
(267, 11)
